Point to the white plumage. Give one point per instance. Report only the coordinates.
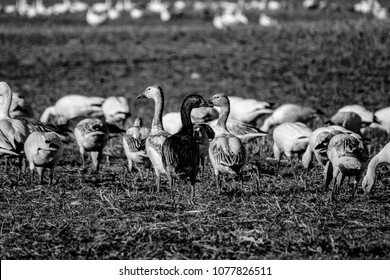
(290, 139)
(116, 109)
(290, 113)
(91, 136)
(382, 157)
(366, 115)
(13, 133)
(43, 150)
(383, 117)
(349, 120)
(71, 106)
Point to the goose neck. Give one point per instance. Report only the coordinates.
(158, 111)
(185, 115)
(223, 116)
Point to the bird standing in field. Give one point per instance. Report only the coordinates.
(91, 135)
(290, 138)
(134, 146)
(382, 157)
(180, 151)
(43, 150)
(347, 155)
(13, 133)
(314, 140)
(227, 153)
(157, 135)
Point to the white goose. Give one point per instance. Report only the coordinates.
(101, 7)
(248, 110)
(268, 21)
(314, 140)
(347, 155)
(134, 146)
(71, 106)
(367, 116)
(13, 133)
(157, 134)
(43, 150)
(91, 135)
(383, 117)
(78, 6)
(382, 157)
(290, 113)
(96, 18)
(290, 138)
(227, 153)
(116, 110)
(349, 120)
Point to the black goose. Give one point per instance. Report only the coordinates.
(180, 152)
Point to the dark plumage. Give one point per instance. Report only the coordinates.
(180, 152)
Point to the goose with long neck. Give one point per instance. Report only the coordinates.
(180, 151)
(382, 157)
(13, 133)
(227, 152)
(157, 136)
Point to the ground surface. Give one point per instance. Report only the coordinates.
(324, 60)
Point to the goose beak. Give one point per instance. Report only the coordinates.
(209, 104)
(142, 95)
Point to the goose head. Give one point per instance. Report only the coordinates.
(151, 92)
(195, 101)
(50, 142)
(219, 100)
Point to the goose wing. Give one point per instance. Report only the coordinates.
(180, 152)
(6, 147)
(135, 144)
(228, 151)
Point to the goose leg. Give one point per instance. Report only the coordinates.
(32, 169)
(158, 181)
(218, 181)
(328, 171)
(40, 173)
(193, 181)
(20, 165)
(276, 153)
(96, 159)
(82, 152)
(51, 176)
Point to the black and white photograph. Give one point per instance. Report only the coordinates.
(195, 130)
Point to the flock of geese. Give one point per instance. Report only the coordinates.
(224, 14)
(216, 130)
